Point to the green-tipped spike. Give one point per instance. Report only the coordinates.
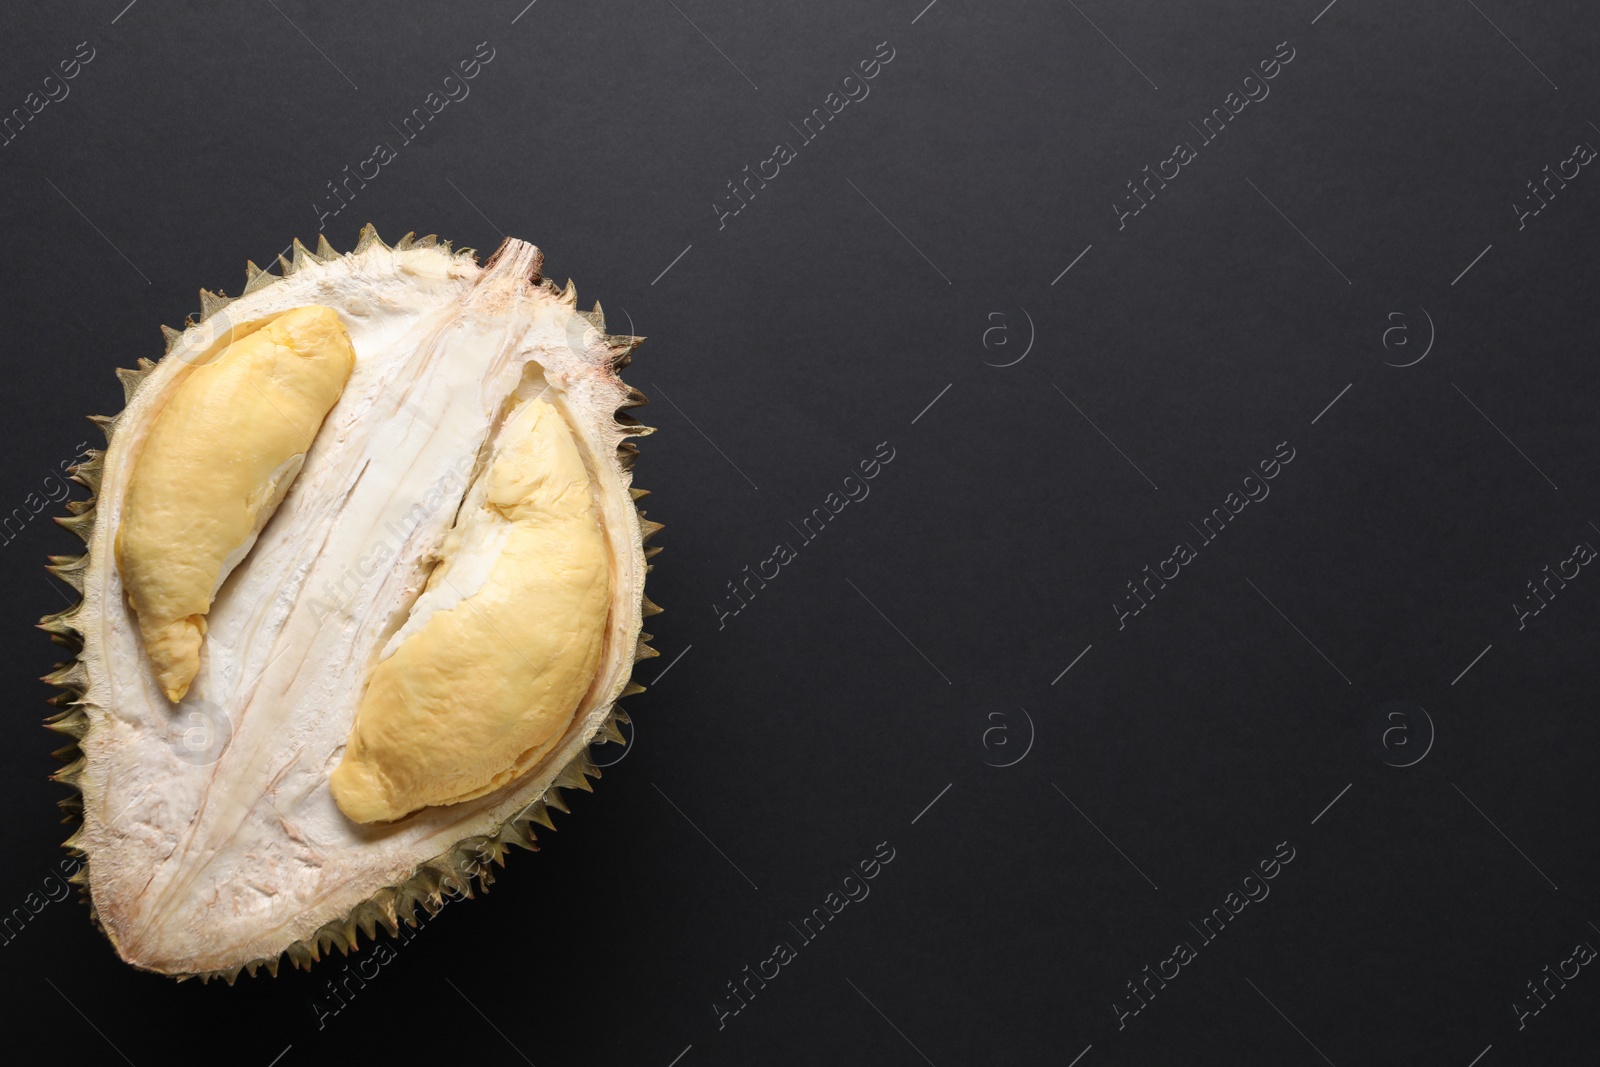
(256, 279)
(369, 237)
(211, 303)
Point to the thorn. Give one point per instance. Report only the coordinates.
(369, 237)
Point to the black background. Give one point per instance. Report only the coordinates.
(922, 638)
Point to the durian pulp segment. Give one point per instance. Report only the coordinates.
(485, 675)
(216, 464)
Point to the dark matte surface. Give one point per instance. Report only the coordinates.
(921, 639)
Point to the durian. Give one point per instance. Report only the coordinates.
(364, 580)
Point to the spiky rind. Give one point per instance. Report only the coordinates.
(452, 871)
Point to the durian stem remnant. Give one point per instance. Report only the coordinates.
(214, 468)
(486, 686)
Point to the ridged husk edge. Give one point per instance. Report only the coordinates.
(471, 859)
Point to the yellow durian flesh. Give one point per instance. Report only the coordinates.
(482, 689)
(213, 469)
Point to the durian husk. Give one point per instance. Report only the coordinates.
(470, 862)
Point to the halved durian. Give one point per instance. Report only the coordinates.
(364, 580)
